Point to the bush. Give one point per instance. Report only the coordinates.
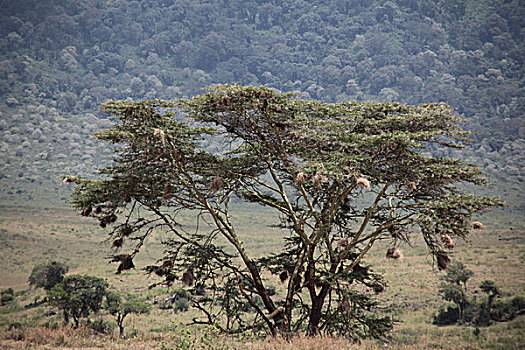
(181, 305)
(101, 326)
(46, 275)
(7, 296)
(507, 310)
(446, 316)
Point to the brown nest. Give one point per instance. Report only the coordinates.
(167, 264)
(159, 271)
(126, 262)
(442, 261)
(448, 242)
(301, 178)
(188, 278)
(283, 276)
(318, 180)
(476, 225)
(362, 182)
(394, 253)
(87, 210)
(342, 243)
(378, 288)
(118, 243)
(216, 184)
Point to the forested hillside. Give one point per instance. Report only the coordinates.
(60, 59)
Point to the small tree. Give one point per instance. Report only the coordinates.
(46, 275)
(120, 307)
(455, 294)
(457, 273)
(78, 296)
(492, 291)
(341, 176)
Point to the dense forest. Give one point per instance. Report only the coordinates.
(61, 59)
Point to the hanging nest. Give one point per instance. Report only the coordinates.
(69, 179)
(359, 269)
(162, 134)
(167, 264)
(159, 271)
(298, 284)
(318, 180)
(126, 262)
(125, 230)
(442, 261)
(394, 253)
(106, 220)
(448, 242)
(216, 184)
(87, 210)
(342, 243)
(188, 278)
(476, 225)
(362, 182)
(301, 178)
(283, 276)
(378, 288)
(394, 231)
(118, 243)
(170, 278)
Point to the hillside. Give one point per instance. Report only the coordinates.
(61, 59)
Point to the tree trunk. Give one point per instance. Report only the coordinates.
(315, 318)
(120, 322)
(280, 319)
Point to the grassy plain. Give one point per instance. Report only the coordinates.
(29, 235)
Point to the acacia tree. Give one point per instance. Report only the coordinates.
(342, 177)
(120, 306)
(78, 296)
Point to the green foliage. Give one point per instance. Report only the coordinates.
(7, 296)
(181, 305)
(471, 311)
(341, 176)
(490, 288)
(458, 273)
(78, 296)
(101, 326)
(46, 275)
(454, 293)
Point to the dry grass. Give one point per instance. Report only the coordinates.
(29, 236)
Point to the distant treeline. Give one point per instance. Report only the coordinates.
(78, 53)
(64, 57)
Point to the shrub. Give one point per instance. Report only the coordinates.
(7, 296)
(101, 326)
(181, 305)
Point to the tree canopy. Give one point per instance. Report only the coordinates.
(46, 275)
(341, 176)
(120, 305)
(78, 296)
